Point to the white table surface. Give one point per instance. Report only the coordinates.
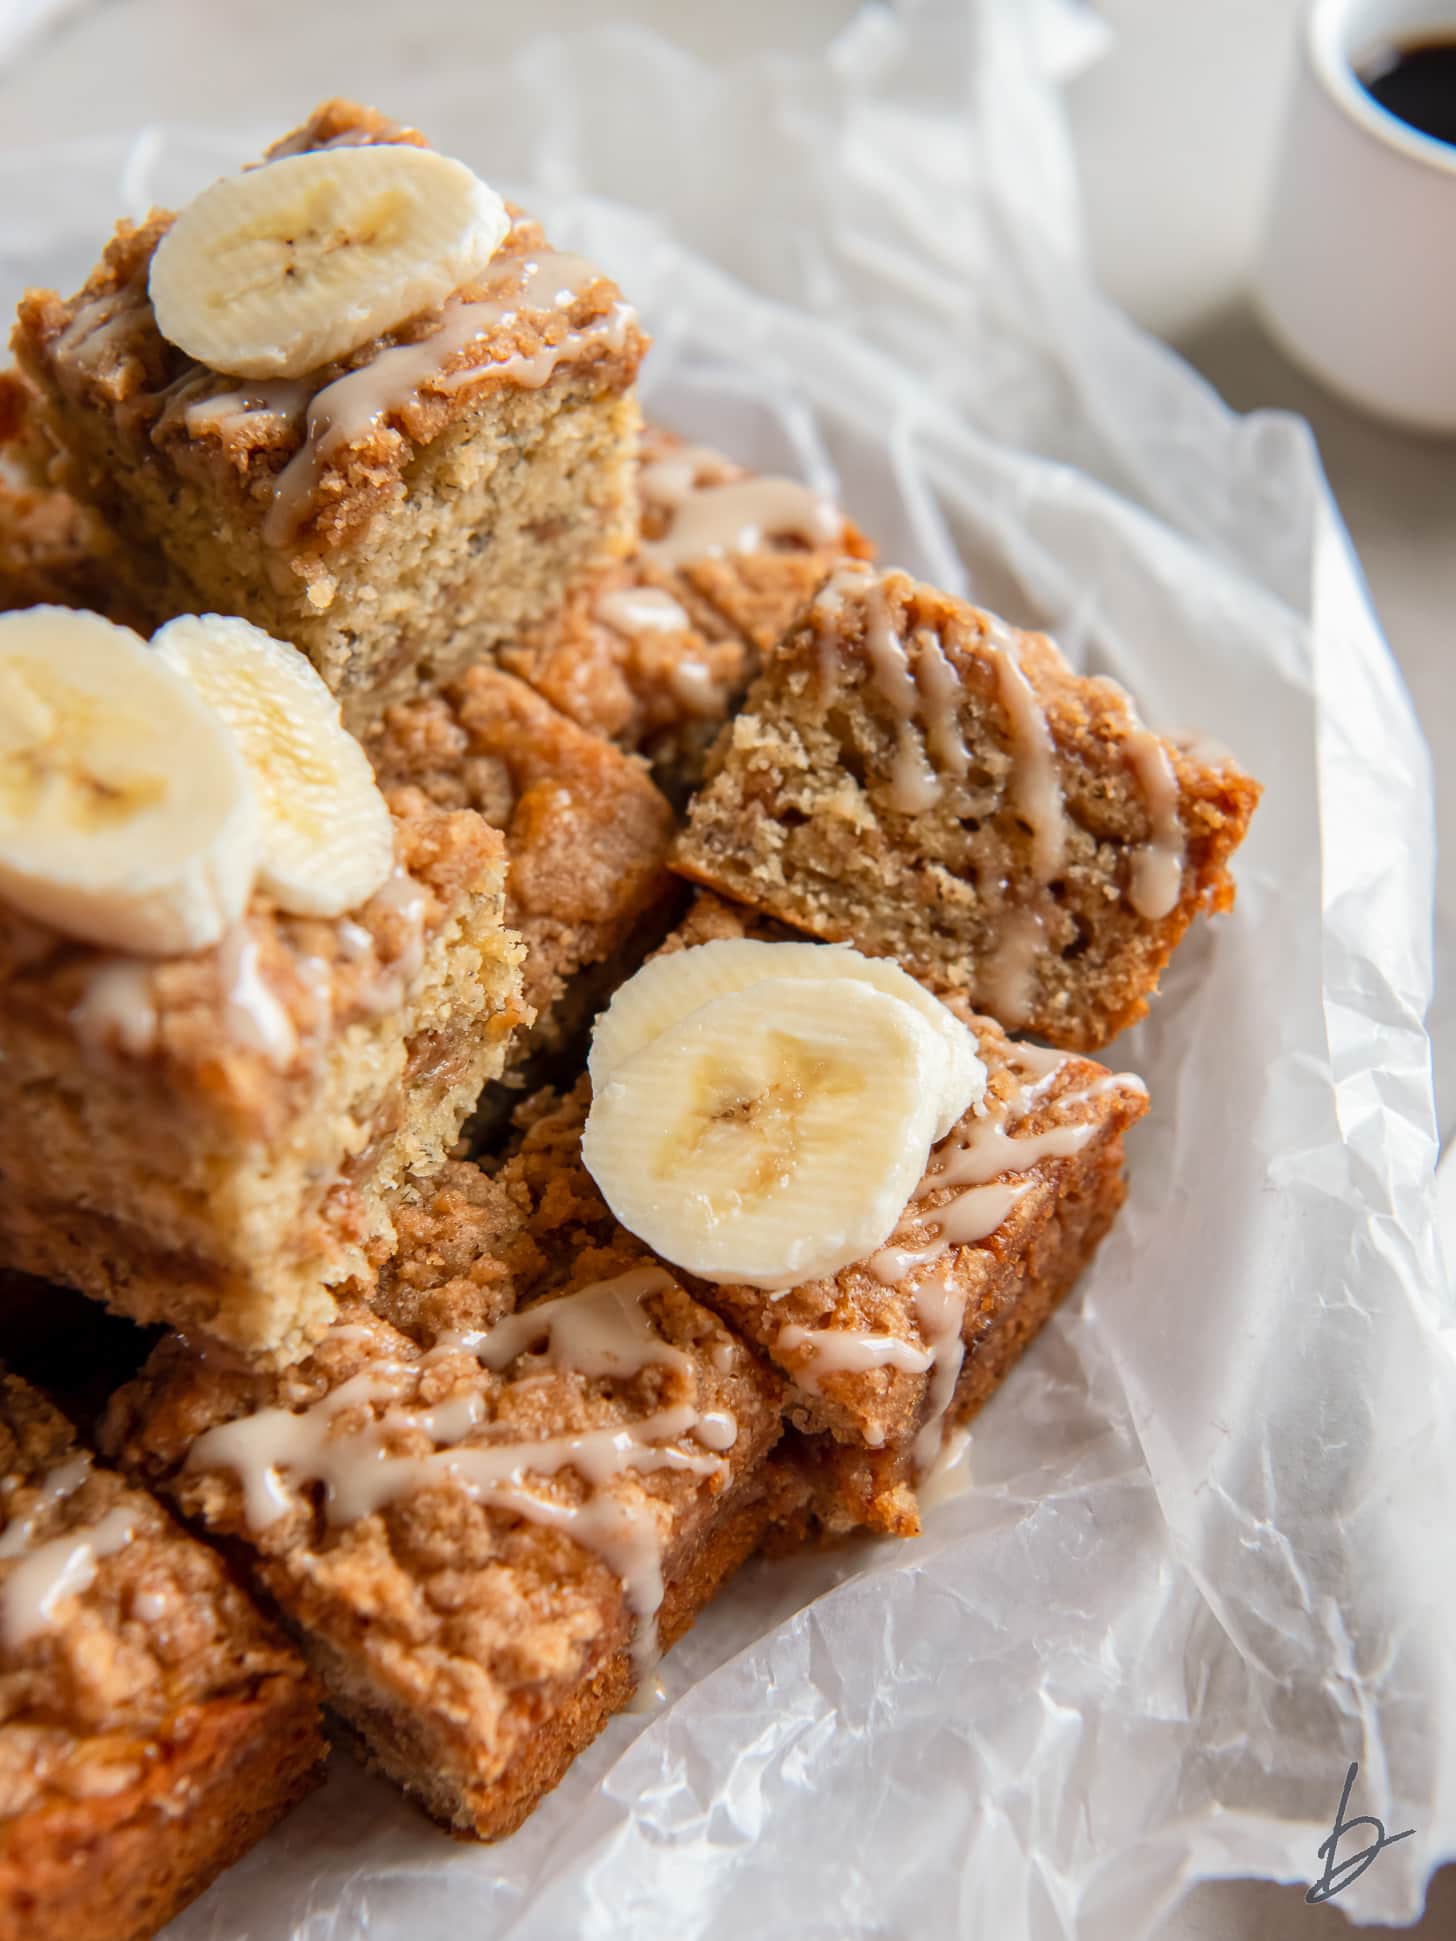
(1175, 133)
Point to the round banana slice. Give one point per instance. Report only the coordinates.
(285, 267)
(326, 839)
(670, 986)
(127, 815)
(774, 1134)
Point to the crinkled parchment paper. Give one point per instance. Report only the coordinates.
(1209, 1556)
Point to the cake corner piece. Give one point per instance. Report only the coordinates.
(216, 1140)
(912, 776)
(150, 1720)
(905, 1339)
(549, 1462)
(412, 502)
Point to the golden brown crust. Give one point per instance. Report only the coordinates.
(154, 1688)
(658, 676)
(216, 1141)
(586, 832)
(807, 817)
(770, 1501)
(323, 974)
(884, 1407)
(125, 1866)
(473, 1650)
(850, 1488)
(52, 554)
(103, 351)
(1008, 1281)
(406, 524)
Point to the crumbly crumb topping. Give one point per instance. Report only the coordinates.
(159, 1628)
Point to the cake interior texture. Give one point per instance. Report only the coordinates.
(152, 1725)
(911, 776)
(656, 652)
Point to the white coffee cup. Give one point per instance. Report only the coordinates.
(1357, 277)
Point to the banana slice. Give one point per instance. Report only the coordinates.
(127, 815)
(326, 841)
(774, 1134)
(285, 267)
(671, 986)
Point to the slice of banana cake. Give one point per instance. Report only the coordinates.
(914, 777)
(350, 395)
(486, 1501)
(883, 1193)
(153, 1725)
(244, 1003)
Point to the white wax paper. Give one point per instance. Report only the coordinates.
(1209, 1556)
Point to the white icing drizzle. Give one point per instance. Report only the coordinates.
(118, 1010)
(601, 1330)
(532, 369)
(318, 975)
(717, 1429)
(90, 335)
(1007, 980)
(923, 689)
(940, 688)
(354, 940)
(630, 610)
(254, 1018)
(554, 280)
(1035, 792)
(407, 899)
(1157, 865)
(737, 517)
(1042, 1061)
(949, 1475)
(851, 1351)
(914, 784)
(972, 1215)
(979, 1156)
(54, 1487)
(941, 1311)
(32, 1592)
(347, 411)
(672, 479)
(993, 1151)
(692, 683)
(649, 1697)
(271, 400)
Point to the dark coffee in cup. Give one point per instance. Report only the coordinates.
(1417, 82)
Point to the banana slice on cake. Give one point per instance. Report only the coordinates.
(326, 840)
(773, 1134)
(669, 987)
(283, 268)
(127, 815)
